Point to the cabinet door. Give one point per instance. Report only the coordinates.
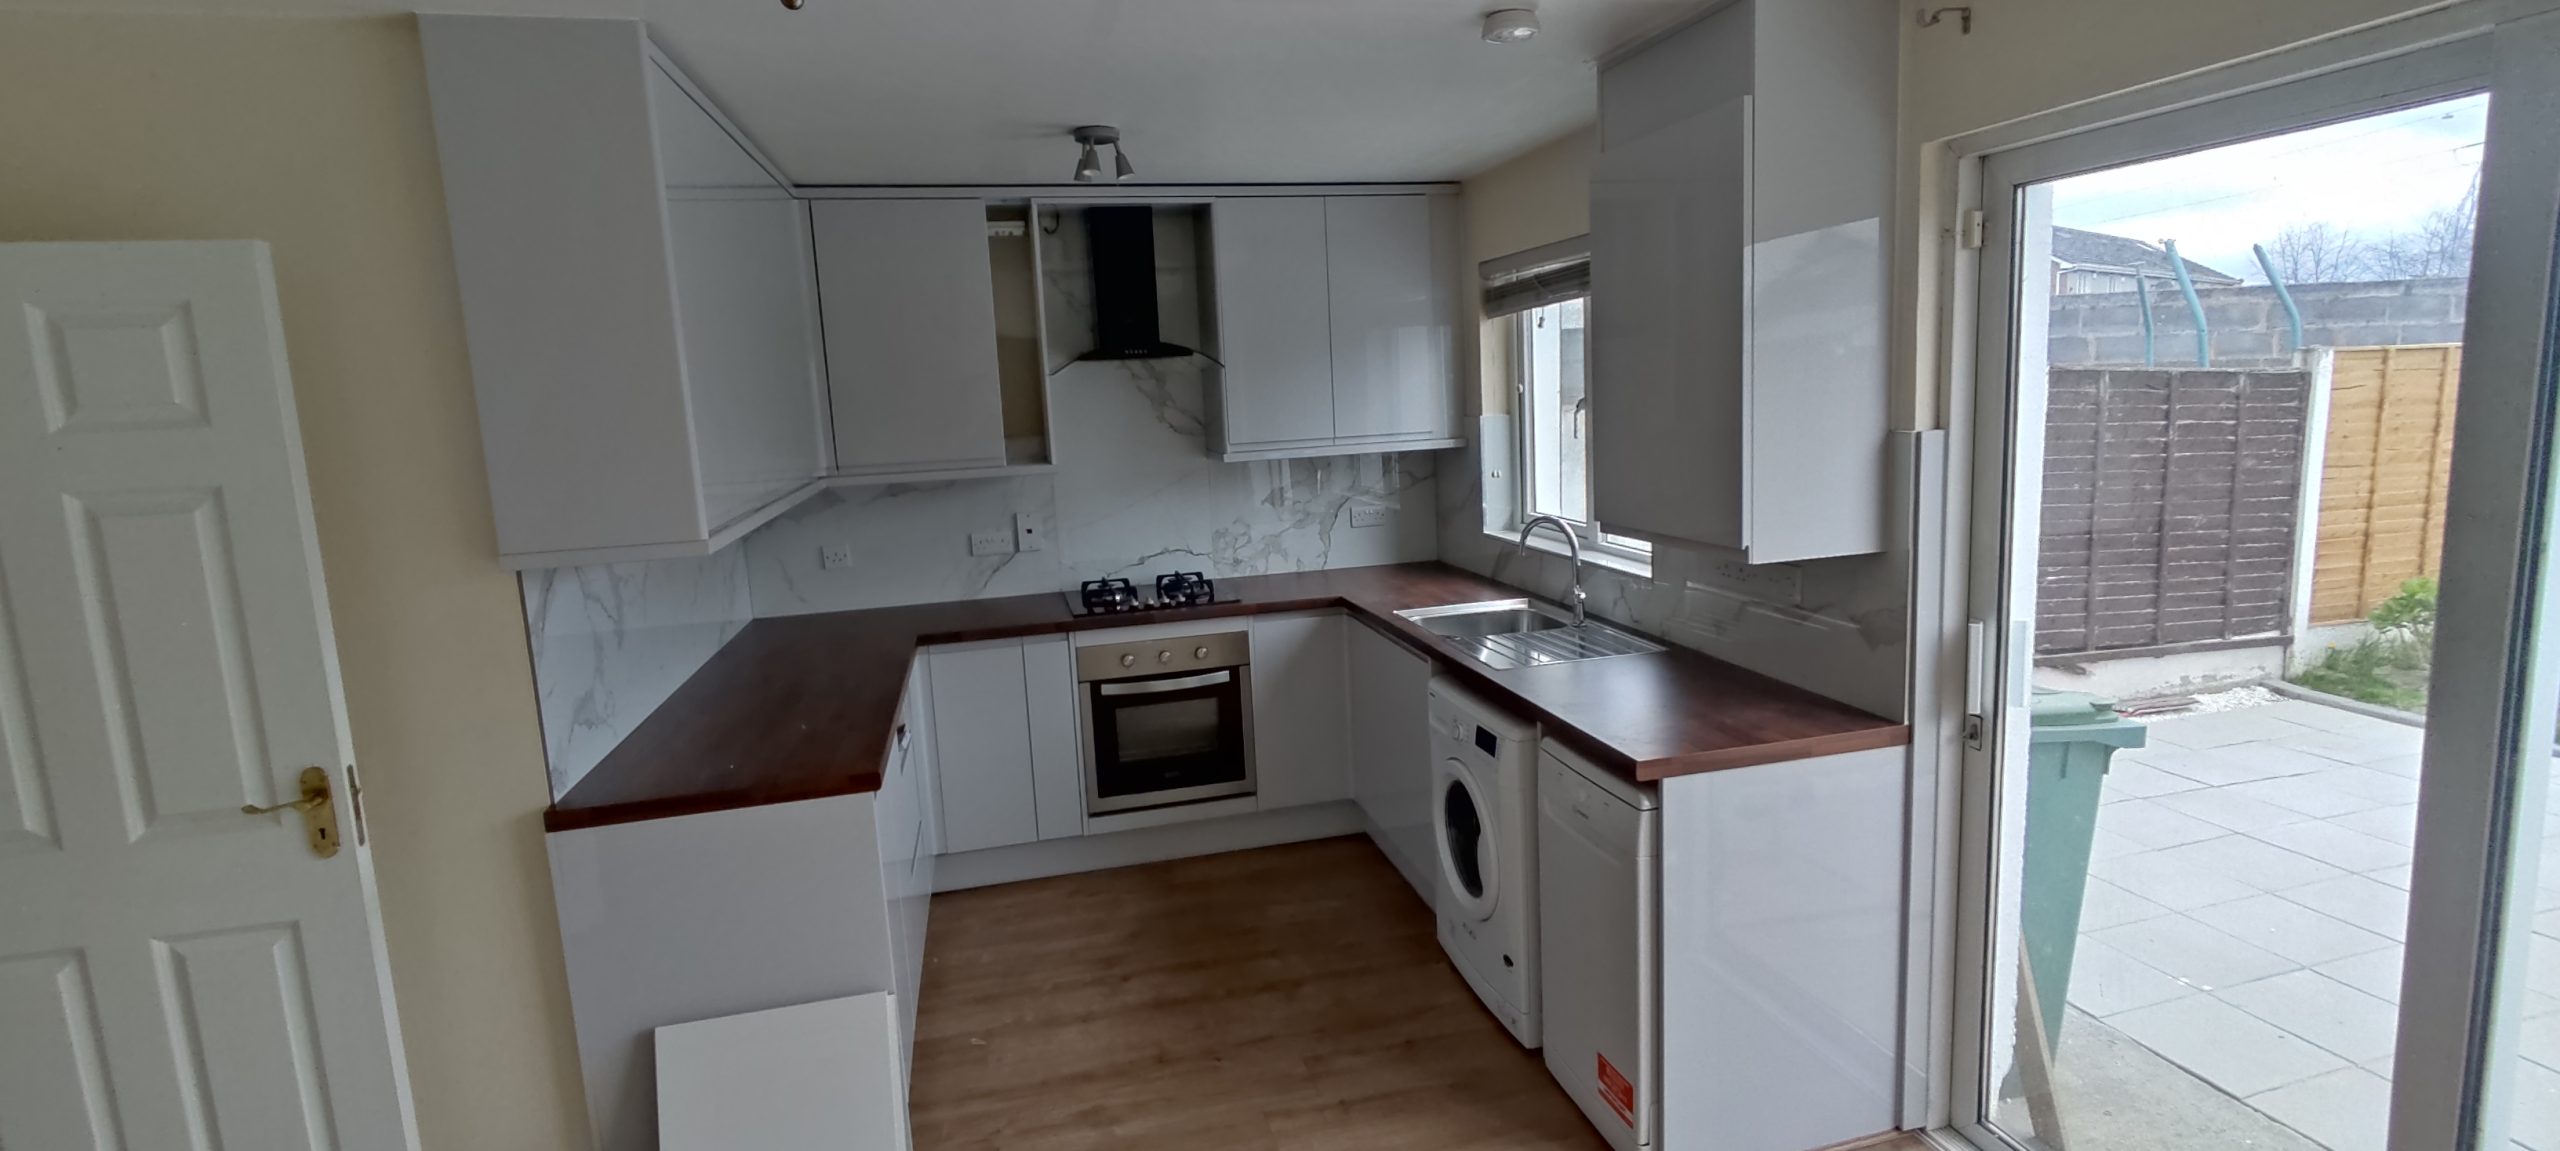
(1670, 213)
(1273, 321)
(1390, 733)
(1300, 754)
(909, 305)
(746, 306)
(982, 747)
(1389, 317)
(1057, 751)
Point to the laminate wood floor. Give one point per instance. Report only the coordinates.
(1270, 1000)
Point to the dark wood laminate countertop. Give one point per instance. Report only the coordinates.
(802, 707)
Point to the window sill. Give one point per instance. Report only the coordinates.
(1546, 542)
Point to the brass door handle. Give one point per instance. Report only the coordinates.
(319, 816)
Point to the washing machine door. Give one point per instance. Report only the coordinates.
(1463, 826)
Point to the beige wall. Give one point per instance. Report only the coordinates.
(1538, 197)
(313, 135)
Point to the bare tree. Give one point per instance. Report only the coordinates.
(2318, 253)
(2439, 246)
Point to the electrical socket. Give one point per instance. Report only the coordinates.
(1027, 536)
(835, 557)
(1366, 515)
(990, 543)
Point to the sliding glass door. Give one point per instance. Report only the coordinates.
(2261, 488)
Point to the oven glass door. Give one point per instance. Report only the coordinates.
(1167, 739)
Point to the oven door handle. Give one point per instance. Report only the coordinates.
(1157, 686)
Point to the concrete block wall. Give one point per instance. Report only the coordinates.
(2247, 326)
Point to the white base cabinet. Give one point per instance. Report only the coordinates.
(1301, 753)
(1007, 757)
(1390, 734)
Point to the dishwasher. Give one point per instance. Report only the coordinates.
(1600, 946)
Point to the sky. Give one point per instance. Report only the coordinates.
(2373, 176)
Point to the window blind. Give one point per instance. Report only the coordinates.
(1549, 274)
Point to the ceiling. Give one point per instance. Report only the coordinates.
(1204, 91)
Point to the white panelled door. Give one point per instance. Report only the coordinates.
(173, 973)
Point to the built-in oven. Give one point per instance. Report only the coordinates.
(1166, 721)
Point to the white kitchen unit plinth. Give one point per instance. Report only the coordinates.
(1782, 909)
(1739, 277)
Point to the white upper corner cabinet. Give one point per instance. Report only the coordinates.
(1301, 754)
(638, 292)
(1336, 324)
(1738, 281)
(1385, 264)
(909, 303)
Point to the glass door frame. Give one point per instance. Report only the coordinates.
(2496, 553)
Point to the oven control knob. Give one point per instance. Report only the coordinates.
(1128, 661)
(1165, 656)
(1200, 652)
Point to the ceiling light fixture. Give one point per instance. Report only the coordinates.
(1089, 163)
(1509, 25)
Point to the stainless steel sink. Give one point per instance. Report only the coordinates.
(1516, 633)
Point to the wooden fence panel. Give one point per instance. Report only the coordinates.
(2170, 500)
(2388, 465)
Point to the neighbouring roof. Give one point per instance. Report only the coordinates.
(2075, 248)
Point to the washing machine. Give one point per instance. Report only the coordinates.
(1484, 829)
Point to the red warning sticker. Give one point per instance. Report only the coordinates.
(1617, 1092)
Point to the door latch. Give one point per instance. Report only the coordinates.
(319, 815)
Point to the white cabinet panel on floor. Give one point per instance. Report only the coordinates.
(1390, 736)
(1300, 752)
(637, 291)
(1738, 281)
(809, 1076)
(909, 299)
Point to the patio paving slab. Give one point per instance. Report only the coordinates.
(2344, 1021)
(2368, 903)
(2171, 883)
(2336, 846)
(2228, 1047)
(2223, 807)
(2106, 981)
(2104, 905)
(2292, 930)
(2194, 952)
(2261, 865)
(2347, 1110)
(2146, 823)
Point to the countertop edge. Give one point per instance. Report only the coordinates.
(868, 779)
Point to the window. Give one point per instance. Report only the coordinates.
(1555, 422)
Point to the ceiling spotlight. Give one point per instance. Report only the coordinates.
(1120, 163)
(1509, 25)
(1089, 164)
(793, 5)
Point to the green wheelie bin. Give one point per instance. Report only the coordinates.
(2074, 737)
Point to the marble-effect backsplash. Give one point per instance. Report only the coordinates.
(612, 641)
(1135, 493)
(1832, 626)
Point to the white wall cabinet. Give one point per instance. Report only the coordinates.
(637, 290)
(1738, 281)
(1335, 325)
(1301, 754)
(1390, 734)
(909, 304)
